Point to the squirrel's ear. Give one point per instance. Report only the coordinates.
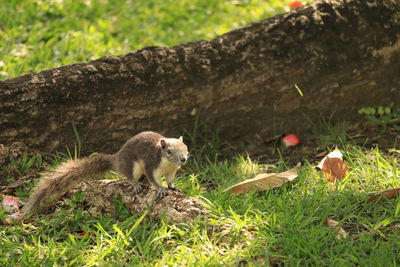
(163, 143)
(181, 139)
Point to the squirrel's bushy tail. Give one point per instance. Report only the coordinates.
(58, 181)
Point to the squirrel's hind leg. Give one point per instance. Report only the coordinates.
(134, 175)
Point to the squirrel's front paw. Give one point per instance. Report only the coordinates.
(174, 188)
(137, 188)
(162, 192)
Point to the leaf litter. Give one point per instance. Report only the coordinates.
(334, 225)
(265, 181)
(333, 167)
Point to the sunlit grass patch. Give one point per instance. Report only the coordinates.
(285, 224)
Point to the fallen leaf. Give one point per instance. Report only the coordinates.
(10, 203)
(321, 154)
(333, 167)
(11, 187)
(390, 194)
(265, 181)
(13, 218)
(272, 139)
(340, 232)
(334, 154)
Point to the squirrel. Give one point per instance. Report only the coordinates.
(147, 153)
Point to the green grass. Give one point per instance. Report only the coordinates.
(36, 35)
(284, 225)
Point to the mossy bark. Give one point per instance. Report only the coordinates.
(342, 54)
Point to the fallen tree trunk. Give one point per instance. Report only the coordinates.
(343, 55)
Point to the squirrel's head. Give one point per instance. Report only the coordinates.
(174, 150)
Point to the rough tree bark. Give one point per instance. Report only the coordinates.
(343, 54)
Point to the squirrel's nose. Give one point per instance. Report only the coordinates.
(183, 159)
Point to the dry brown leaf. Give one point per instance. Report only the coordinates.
(340, 232)
(321, 154)
(390, 194)
(265, 181)
(333, 167)
(272, 139)
(11, 187)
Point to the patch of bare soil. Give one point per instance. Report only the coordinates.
(271, 149)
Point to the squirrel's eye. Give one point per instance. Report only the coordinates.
(169, 151)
